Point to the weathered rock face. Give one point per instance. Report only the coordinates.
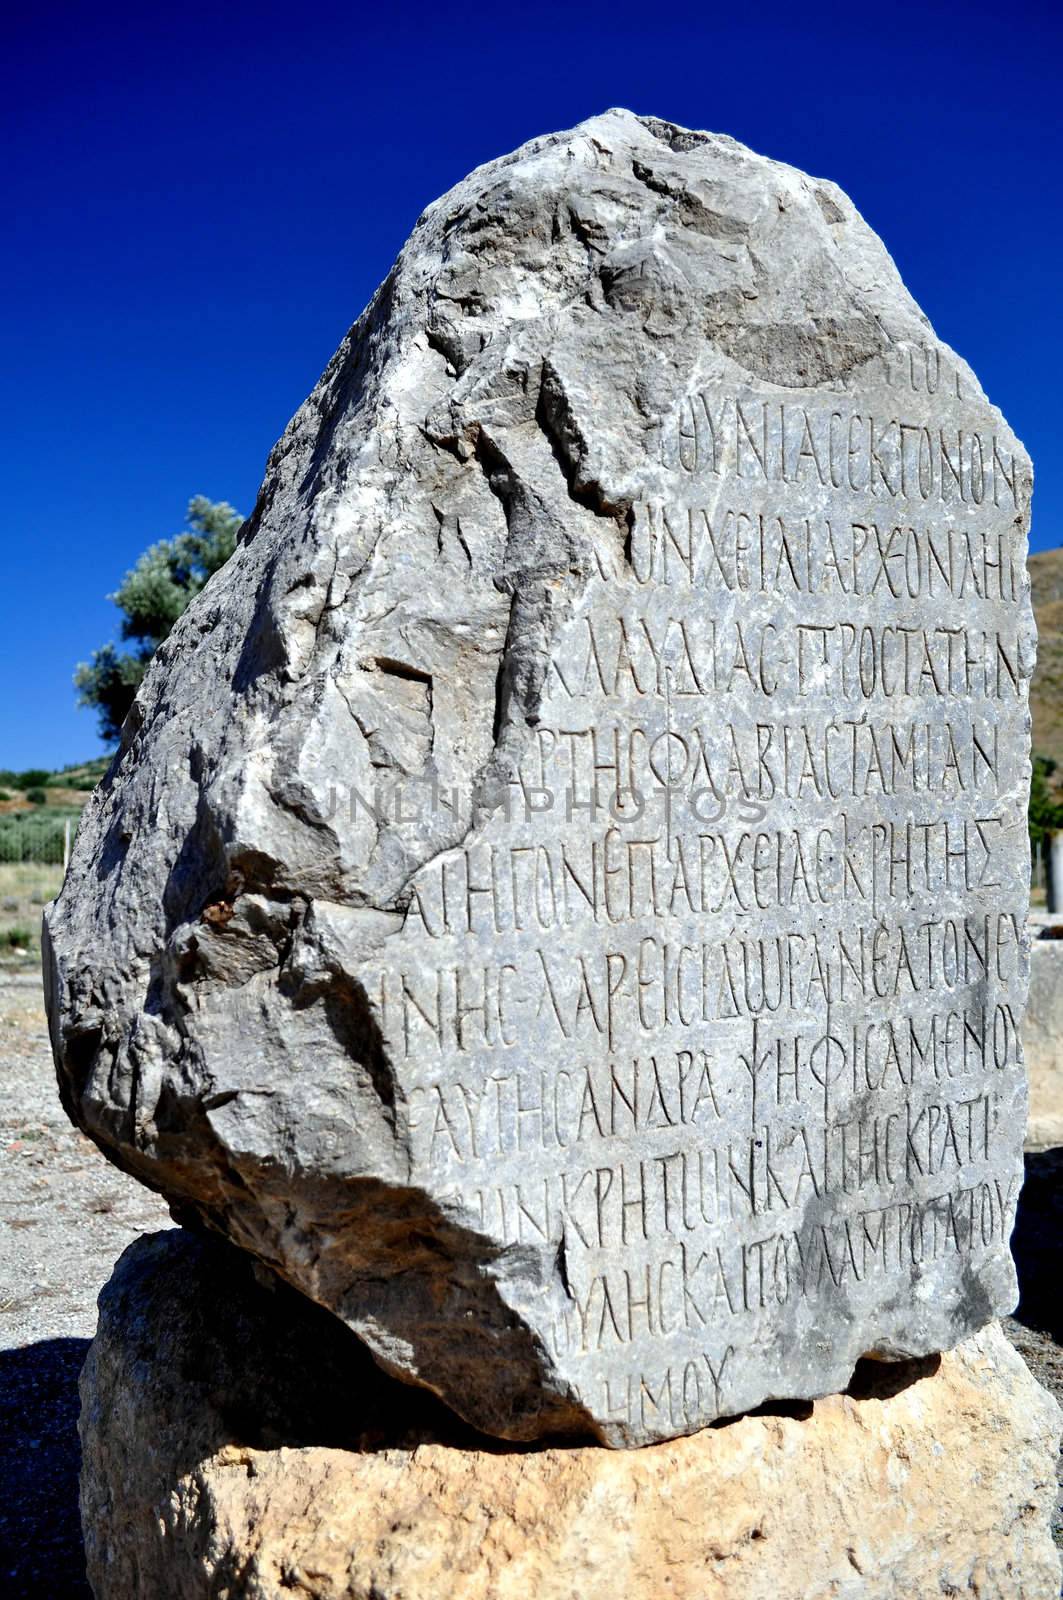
(651, 1049)
(1042, 1038)
(216, 1462)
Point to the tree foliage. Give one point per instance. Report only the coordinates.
(151, 597)
(32, 778)
(1046, 812)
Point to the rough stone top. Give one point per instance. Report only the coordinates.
(560, 897)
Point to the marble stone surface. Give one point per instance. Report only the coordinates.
(1042, 1039)
(559, 901)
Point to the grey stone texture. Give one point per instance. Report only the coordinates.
(560, 898)
(1042, 1038)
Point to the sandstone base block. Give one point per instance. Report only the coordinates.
(218, 1461)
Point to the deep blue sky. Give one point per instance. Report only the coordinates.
(199, 201)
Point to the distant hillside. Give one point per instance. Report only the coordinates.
(1046, 690)
(83, 775)
(36, 790)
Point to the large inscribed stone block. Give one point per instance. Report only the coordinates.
(560, 897)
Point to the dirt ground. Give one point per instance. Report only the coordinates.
(25, 887)
(66, 1215)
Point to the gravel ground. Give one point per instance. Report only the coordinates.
(66, 1215)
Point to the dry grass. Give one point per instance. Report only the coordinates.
(25, 888)
(63, 798)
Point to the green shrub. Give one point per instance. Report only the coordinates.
(37, 797)
(5, 794)
(1045, 811)
(32, 778)
(15, 939)
(35, 835)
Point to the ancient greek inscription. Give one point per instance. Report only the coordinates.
(721, 1003)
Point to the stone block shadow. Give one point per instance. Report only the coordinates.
(1037, 1244)
(40, 1529)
